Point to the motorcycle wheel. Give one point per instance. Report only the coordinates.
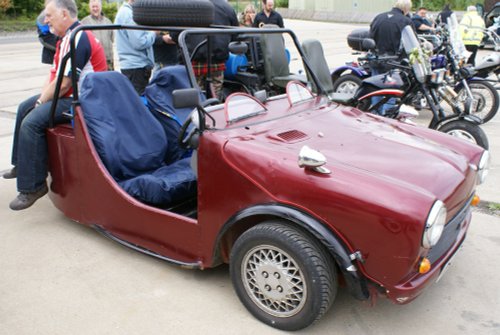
(466, 130)
(347, 84)
(487, 99)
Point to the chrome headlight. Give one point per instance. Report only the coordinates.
(483, 167)
(434, 225)
(437, 76)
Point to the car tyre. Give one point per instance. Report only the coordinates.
(184, 13)
(283, 276)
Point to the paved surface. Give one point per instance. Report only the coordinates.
(58, 277)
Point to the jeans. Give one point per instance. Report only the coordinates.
(391, 103)
(29, 150)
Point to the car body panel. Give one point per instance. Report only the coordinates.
(385, 177)
(82, 188)
(389, 201)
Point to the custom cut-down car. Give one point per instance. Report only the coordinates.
(298, 194)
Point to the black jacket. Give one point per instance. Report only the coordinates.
(386, 30)
(224, 15)
(418, 21)
(442, 17)
(274, 18)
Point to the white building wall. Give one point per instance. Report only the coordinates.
(372, 6)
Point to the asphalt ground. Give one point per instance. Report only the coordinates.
(59, 277)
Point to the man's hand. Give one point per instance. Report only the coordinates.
(168, 39)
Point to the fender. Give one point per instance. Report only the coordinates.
(470, 118)
(355, 70)
(356, 283)
(460, 85)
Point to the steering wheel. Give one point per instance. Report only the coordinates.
(185, 139)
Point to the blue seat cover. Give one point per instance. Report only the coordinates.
(131, 142)
(167, 185)
(159, 99)
(127, 137)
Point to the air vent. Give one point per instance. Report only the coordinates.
(292, 136)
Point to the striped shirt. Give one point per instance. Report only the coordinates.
(89, 55)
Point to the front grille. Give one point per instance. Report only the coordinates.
(450, 233)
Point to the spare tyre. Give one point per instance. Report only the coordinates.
(183, 13)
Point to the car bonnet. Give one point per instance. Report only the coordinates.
(387, 151)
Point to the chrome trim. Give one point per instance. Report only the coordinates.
(483, 167)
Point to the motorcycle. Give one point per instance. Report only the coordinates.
(489, 67)
(491, 38)
(449, 51)
(409, 79)
(463, 76)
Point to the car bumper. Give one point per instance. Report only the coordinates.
(413, 286)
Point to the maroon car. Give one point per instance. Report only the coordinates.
(299, 195)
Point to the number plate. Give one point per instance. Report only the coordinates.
(447, 265)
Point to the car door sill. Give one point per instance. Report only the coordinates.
(112, 237)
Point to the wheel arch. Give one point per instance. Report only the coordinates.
(252, 216)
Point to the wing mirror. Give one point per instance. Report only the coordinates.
(186, 98)
(312, 159)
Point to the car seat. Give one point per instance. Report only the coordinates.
(132, 143)
(159, 100)
(276, 69)
(316, 58)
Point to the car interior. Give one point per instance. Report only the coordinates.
(138, 146)
(136, 137)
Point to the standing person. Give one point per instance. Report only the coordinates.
(224, 15)
(268, 15)
(165, 51)
(443, 16)
(29, 150)
(248, 16)
(96, 17)
(386, 30)
(135, 49)
(471, 28)
(421, 23)
(46, 38)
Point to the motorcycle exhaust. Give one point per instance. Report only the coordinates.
(449, 95)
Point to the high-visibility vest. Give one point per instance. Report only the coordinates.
(471, 28)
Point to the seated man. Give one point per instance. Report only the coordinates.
(421, 23)
(29, 151)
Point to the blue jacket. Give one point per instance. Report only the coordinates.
(134, 47)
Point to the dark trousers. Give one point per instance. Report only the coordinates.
(138, 77)
(473, 49)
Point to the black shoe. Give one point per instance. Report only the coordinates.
(11, 174)
(25, 200)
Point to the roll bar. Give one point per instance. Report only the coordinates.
(186, 57)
